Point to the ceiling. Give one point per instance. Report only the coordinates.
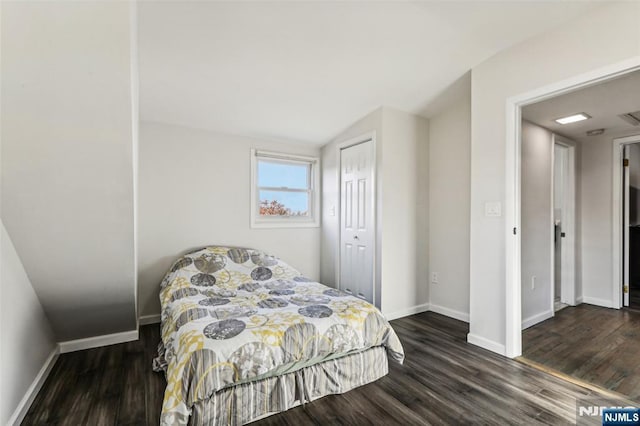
(304, 71)
(603, 102)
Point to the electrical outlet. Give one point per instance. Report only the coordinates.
(533, 282)
(434, 277)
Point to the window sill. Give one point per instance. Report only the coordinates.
(262, 224)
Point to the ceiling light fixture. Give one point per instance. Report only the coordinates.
(595, 132)
(632, 118)
(572, 118)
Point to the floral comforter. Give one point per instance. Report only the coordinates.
(232, 315)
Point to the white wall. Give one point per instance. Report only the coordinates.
(26, 339)
(372, 122)
(67, 159)
(405, 212)
(401, 213)
(597, 217)
(194, 190)
(576, 47)
(536, 222)
(449, 187)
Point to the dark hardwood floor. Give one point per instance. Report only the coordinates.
(590, 343)
(444, 380)
(634, 297)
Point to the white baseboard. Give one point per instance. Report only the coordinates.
(408, 311)
(535, 319)
(96, 342)
(487, 344)
(579, 300)
(32, 391)
(149, 319)
(598, 302)
(451, 313)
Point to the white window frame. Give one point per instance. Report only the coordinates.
(310, 221)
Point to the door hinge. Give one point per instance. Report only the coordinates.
(515, 231)
(625, 289)
(625, 162)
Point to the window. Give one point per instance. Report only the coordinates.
(284, 190)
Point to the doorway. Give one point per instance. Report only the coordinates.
(548, 222)
(628, 159)
(512, 223)
(584, 342)
(564, 224)
(357, 220)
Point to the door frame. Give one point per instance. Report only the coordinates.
(568, 254)
(618, 212)
(513, 141)
(364, 138)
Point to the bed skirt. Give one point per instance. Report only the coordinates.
(251, 401)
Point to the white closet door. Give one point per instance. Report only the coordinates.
(356, 220)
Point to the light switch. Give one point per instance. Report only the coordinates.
(493, 209)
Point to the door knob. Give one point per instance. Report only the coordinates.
(355, 237)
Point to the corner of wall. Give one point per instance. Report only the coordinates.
(27, 345)
(449, 188)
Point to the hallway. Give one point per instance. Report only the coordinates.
(593, 344)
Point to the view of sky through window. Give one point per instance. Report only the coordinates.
(273, 174)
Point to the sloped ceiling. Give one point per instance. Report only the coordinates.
(67, 181)
(304, 71)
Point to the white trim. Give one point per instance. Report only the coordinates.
(626, 220)
(451, 313)
(598, 302)
(535, 319)
(311, 221)
(149, 319)
(616, 249)
(284, 156)
(568, 257)
(407, 311)
(364, 138)
(513, 297)
(487, 344)
(135, 136)
(552, 230)
(568, 262)
(579, 300)
(32, 391)
(513, 286)
(97, 341)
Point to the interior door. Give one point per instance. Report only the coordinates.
(625, 224)
(356, 220)
(567, 219)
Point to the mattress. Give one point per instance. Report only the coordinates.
(232, 316)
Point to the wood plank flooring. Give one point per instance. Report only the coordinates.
(634, 297)
(590, 343)
(444, 380)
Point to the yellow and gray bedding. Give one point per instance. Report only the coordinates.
(232, 316)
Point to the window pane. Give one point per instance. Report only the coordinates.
(283, 175)
(280, 203)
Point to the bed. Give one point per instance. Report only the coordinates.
(245, 335)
